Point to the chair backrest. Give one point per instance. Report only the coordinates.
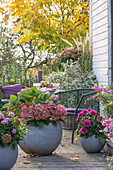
(81, 97)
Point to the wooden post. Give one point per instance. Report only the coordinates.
(9, 80)
(30, 80)
(39, 76)
(15, 78)
(20, 79)
(36, 79)
(3, 80)
(25, 80)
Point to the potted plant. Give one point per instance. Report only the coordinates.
(105, 96)
(12, 130)
(90, 131)
(42, 113)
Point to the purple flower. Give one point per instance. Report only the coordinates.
(83, 130)
(86, 123)
(11, 114)
(4, 122)
(99, 118)
(95, 87)
(93, 112)
(8, 119)
(14, 131)
(103, 126)
(2, 116)
(100, 88)
(96, 96)
(109, 92)
(54, 96)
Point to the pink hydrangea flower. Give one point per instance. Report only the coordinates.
(86, 123)
(14, 131)
(83, 130)
(11, 114)
(6, 138)
(92, 112)
(100, 118)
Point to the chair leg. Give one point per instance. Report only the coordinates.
(73, 128)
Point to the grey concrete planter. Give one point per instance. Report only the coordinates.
(92, 144)
(8, 157)
(110, 147)
(42, 141)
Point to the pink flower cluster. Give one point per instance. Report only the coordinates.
(48, 110)
(101, 89)
(88, 115)
(109, 124)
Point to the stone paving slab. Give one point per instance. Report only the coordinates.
(64, 158)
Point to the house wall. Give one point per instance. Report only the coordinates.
(99, 31)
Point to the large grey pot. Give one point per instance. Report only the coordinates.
(92, 144)
(42, 141)
(8, 157)
(110, 148)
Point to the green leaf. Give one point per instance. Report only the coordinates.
(26, 32)
(33, 90)
(4, 36)
(7, 105)
(13, 99)
(45, 96)
(24, 93)
(54, 123)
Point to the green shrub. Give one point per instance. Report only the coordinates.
(72, 78)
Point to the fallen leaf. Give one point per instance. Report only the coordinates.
(31, 155)
(26, 162)
(71, 155)
(54, 152)
(75, 159)
(62, 145)
(39, 165)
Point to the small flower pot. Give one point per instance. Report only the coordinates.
(92, 144)
(42, 140)
(110, 148)
(8, 157)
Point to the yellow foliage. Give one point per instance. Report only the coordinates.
(2, 10)
(47, 20)
(16, 29)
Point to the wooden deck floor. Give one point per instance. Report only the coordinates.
(66, 157)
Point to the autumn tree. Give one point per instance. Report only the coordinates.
(45, 22)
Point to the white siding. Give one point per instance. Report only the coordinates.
(99, 27)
